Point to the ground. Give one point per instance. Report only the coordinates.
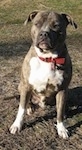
(39, 130)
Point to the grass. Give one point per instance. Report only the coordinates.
(13, 14)
(14, 43)
(13, 11)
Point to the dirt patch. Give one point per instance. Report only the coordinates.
(39, 130)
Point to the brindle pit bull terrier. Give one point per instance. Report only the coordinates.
(47, 67)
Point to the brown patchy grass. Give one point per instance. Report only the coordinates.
(39, 131)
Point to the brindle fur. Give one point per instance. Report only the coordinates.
(50, 20)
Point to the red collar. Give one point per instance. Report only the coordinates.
(59, 60)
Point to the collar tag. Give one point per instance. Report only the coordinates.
(53, 66)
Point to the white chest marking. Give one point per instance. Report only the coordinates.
(41, 73)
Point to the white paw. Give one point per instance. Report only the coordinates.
(62, 131)
(17, 125)
(15, 128)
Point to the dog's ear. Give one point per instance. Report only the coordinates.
(69, 20)
(30, 17)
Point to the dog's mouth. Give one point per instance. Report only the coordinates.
(44, 45)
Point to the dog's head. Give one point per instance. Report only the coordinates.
(49, 29)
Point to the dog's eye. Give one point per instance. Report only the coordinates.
(56, 26)
(38, 24)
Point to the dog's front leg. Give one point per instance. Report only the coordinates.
(17, 125)
(60, 104)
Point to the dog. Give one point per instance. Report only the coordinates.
(47, 67)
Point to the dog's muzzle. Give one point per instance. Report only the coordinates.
(43, 41)
(47, 40)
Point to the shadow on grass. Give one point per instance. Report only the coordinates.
(17, 48)
(20, 47)
(74, 108)
(14, 49)
(74, 101)
(40, 119)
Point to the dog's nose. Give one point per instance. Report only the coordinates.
(43, 34)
